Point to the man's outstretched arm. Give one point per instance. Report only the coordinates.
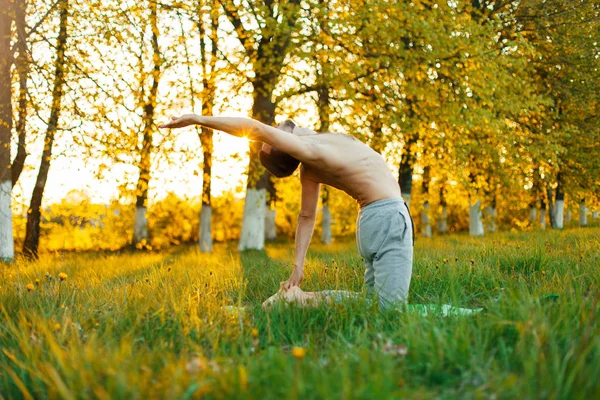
(304, 230)
(252, 129)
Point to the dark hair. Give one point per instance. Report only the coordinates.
(277, 162)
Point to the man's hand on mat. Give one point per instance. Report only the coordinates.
(180, 122)
(294, 280)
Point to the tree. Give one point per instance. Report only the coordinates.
(32, 235)
(6, 60)
(265, 40)
(148, 102)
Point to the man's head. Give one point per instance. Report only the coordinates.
(277, 162)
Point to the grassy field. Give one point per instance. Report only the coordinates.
(153, 325)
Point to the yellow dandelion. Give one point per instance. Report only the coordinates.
(30, 287)
(254, 332)
(56, 326)
(299, 353)
(543, 272)
(63, 276)
(37, 281)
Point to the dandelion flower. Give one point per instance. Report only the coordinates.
(30, 287)
(254, 332)
(63, 276)
(37, 281)
(56, 326)
(299, 353)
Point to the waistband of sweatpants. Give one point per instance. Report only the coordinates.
(382, 203)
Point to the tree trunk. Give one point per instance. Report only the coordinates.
(253, 223)
(443, 221)
(551, 209)
(542, 214)
(324, 104)
(32, 233)
(22, 64)
(140, 232)
(475, 220)
(559, 204)
(425, 220)
(270, 232)
(326, 237)
(582, 214)
(405, 171)
(6, 59)
(267, 61)
(205, 242)
(533, 213)
(568, 216)
(491, 218)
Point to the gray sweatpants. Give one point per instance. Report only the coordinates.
(384, 236)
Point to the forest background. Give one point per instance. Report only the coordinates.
(486, 111)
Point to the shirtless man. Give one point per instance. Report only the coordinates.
(384, 232)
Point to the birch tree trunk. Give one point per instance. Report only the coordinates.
(324, 105)
(22, 67)
(551, 209)
(253, 222)
(326, 237)
(582, 214)
(443, 221)
(140, 224)
(533, 213)
(542, 214)
(405, 171)
(475, 219)
(6, 232)
(568, 216)
(205, 241)
(425, 220)
(490, 218)
(270, 232)
(559, 204)
(32, 233)
(266, 48)
(209, 62)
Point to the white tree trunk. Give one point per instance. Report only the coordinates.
(490, 219)
(443, 221)
(532, 215)
(253, 222)
(7, 249)
(425, 221)
(568, 216)
(595, 215)
(326, 226)
(560, 214)
(543, 219)
(582, 214)
(270, 232)
(475, 220)
(140, 225)
(205, 240)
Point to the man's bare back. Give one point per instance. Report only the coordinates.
(344, 162)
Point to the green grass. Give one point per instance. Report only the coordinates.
(152, 325)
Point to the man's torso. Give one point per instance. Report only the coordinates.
(347, 164)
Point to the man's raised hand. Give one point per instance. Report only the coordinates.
(180, 122)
